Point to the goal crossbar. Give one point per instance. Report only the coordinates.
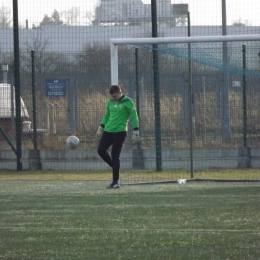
(192, 39)
(166, 40)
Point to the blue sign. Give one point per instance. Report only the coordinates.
(55, 87)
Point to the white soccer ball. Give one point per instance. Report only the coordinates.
(72, 142)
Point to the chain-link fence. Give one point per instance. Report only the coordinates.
(71, 46)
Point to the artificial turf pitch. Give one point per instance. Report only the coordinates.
(79, 219)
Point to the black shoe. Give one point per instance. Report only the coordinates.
(113, 185)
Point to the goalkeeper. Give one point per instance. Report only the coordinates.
(113, 128)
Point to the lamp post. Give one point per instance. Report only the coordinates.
(157, 109)
(226, 132)
(18, 122)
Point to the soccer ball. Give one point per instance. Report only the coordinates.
(72, 142)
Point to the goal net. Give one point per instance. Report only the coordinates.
(197, 98)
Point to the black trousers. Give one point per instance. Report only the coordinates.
(116, 140)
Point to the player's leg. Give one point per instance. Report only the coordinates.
(119, 139)
(105, 142)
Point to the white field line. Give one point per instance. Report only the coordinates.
(24, 229)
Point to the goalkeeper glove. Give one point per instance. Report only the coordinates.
(136, 137)
(99, 131)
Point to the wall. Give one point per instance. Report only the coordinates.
(87, 160)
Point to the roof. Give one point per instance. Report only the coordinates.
(6, 103)
(71, 39)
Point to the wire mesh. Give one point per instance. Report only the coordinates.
(71, 43)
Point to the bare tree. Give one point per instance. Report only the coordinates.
(46, 20)
(94, 59)
(72, 16)
(56, 18)
(46, 61)
(240, 23)
(90, 17)
(53, 20)
(5, 17)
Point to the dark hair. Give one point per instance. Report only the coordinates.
(114, 89)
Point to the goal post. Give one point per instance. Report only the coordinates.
(166, 40)
(219, 101)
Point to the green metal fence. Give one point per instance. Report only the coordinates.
(77, 53)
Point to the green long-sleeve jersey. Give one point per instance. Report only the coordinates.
(117, 115)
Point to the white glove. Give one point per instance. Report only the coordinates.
(136, 137)
(99, 131)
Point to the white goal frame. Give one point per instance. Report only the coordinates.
(160, 40)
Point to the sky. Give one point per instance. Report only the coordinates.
(202, 12)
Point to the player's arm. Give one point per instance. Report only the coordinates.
(103, 121)
(106, 116)
(133, 115)
(135, 121)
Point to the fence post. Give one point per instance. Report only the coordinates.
(244, 97)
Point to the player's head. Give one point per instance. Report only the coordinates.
(115, 92)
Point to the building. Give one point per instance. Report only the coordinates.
(7, 107)
(132, 12)
(71, 39)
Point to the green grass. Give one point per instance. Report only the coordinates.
(79, 219)
(131, 176)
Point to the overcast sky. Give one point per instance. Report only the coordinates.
(202, 12)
